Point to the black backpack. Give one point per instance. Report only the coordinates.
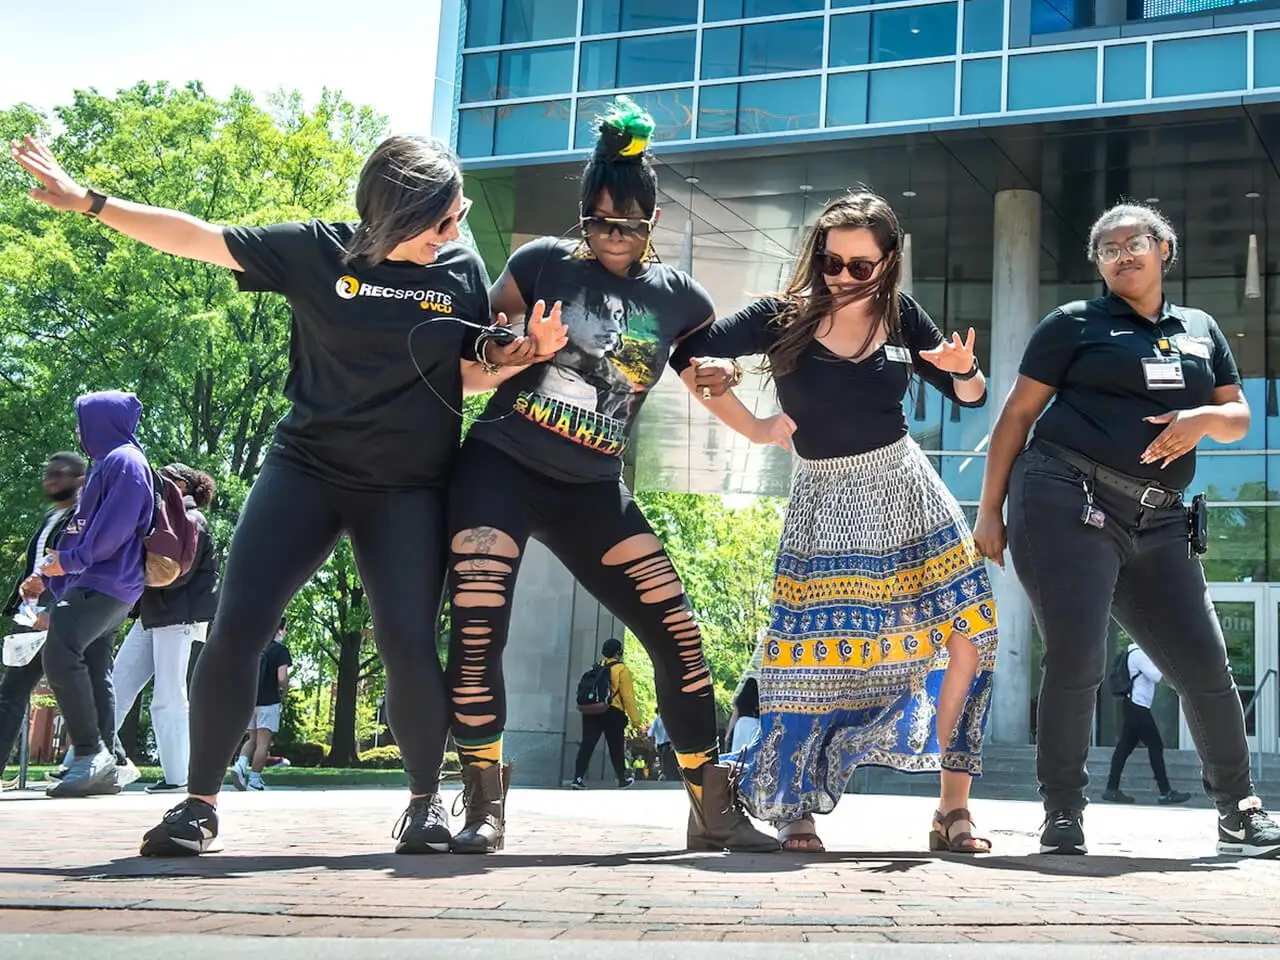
(1120, 680)
(595, 689)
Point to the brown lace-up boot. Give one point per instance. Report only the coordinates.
(484, 799)
(718, 822)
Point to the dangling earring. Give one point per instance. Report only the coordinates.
(648, 256)
(583, 251)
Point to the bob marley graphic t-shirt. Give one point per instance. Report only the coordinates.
(570, 418)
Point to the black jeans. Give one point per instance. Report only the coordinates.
(596, 530)
(613, 725)
(77, 660)
(290, 524)
(1139, 727)
(1136, 569)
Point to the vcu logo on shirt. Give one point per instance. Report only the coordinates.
(349, 287)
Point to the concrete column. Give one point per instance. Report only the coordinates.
(1015, 311)
(448, 72)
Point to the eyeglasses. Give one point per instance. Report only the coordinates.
(1138, 245)
(628, 228)
(832, 265)
(448, 223)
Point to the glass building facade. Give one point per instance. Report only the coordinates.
(767, 108)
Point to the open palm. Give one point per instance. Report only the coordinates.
(952, 356)
(56, 189)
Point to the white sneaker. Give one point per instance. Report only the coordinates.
(240, 774)
(126, 774)
(255, 783)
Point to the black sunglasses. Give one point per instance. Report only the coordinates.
(628, 228)
(832, 265)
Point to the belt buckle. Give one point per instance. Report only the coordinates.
(1142, 500)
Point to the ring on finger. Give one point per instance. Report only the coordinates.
(706, 393)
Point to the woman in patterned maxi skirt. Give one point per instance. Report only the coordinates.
(882, 638)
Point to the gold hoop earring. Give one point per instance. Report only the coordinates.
(583, 251)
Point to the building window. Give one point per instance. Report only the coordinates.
(1124, 72)
(637, 61)
(1266, 58)
(491, 22)
(1044, 80)
(983, 25)
(612, 16)
(910, 33)
(847, 99)
(1054, 16)
(912, 93)
(516, 129)
(1184, 68)
(672, 112)
(475, 132)
(769, 107)
(734, 9)
(980, 82)
(762, 48)
(535, 72)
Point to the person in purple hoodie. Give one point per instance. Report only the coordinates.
(96, 576)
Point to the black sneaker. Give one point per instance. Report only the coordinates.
(164, 786)
(189, 829)
(1063, 833)
(1247, 831)
(424, 827)
(1172, 797)
(1117, 796)
(578, 784)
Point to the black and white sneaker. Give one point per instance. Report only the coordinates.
(577, 784)
(189, 829)
(423, 827)
(164, 786)
(1063, 833)
(1248, 831)
(624, 784)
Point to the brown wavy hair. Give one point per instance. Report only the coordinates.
(809, 303)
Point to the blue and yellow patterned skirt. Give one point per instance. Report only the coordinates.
(876, 570)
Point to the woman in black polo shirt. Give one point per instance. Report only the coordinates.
(545, 462)
(1097, 526)
(365, 449)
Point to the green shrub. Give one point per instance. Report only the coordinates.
(382, 758)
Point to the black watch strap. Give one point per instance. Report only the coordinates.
(973, 372)
(98, 201)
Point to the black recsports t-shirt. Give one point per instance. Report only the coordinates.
(840, 407)
(1092, 353)
(361, 415)
(269, 664)
(570, 418)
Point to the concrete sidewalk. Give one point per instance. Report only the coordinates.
(608, 865)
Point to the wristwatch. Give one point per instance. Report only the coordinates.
(98, 201)
(973, 372)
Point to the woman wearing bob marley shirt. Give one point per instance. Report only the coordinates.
(547, 463)
(365, 449)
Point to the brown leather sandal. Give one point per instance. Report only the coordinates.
(940, 839)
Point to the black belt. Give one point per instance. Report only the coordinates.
(1150, 495)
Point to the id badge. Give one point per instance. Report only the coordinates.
(896, 353)
(1163, 373)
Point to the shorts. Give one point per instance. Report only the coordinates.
(266, 718)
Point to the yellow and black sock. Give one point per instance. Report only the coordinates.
(691, 765)
(480, 753)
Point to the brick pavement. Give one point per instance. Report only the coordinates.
(606, 865)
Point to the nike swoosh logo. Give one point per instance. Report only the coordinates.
(1238, 834)
(1121, 333)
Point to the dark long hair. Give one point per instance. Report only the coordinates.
(809, 302)
(405, 188)
(200, 486)
(622, 163)
(748, 699)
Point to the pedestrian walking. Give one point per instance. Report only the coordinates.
(1139, 726)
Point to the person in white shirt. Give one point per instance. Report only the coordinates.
(1140, 727)
(668, 768)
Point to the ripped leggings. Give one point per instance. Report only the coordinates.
(596, 530)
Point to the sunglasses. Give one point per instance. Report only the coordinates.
(1136, 246)
(628, 228)
(832, 265)
(447, 224)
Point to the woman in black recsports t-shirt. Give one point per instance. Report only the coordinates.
(1121, 389)
(546, 462)
(882, 638)
(365, 450)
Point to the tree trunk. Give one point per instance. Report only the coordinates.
(343, 752)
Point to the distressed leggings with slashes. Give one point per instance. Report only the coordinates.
(596, 530)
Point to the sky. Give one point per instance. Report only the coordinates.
(50, 48)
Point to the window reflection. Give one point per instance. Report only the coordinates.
(1044, 80)
(733, 9)
(672, 112)
(762, 48)
(764, 107)
(532, 127)
(608, 16)
(1238, 539)
(910, 33)
(983, 25)
(492, 22)
(636, 61)
(1183, 68)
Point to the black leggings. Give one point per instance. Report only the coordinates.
(612, 725)
(596, 530)
(290, 524)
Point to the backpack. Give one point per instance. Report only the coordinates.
(171, 542)
(1120, 680)
(595, 689)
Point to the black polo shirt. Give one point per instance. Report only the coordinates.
(1092, 353)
